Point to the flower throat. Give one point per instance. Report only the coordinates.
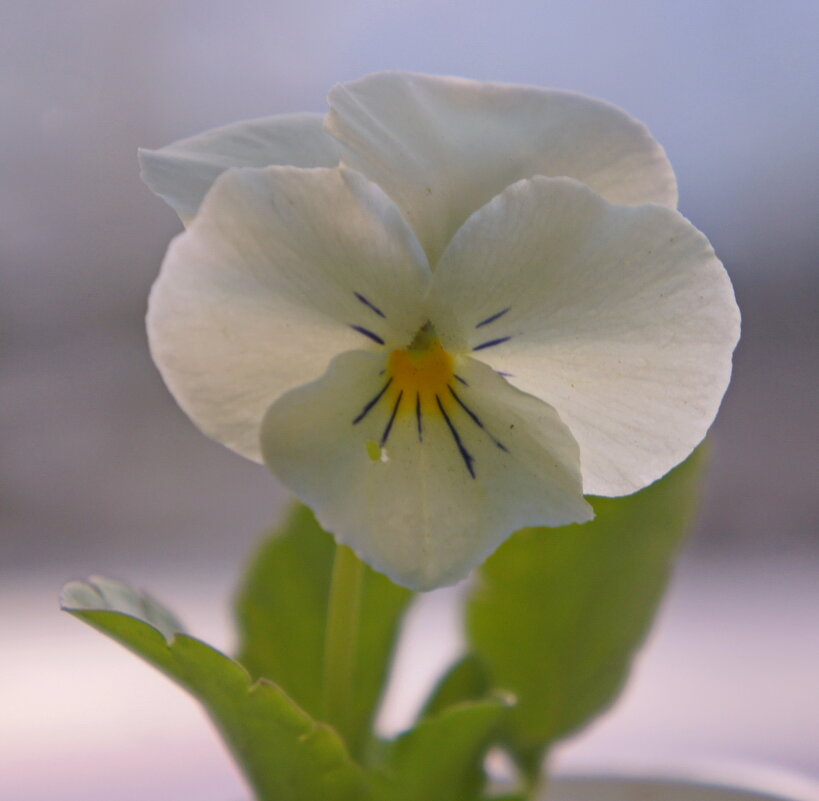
(422, 372)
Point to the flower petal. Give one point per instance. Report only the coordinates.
(282, 269)
(423, 499)
(181, 173)
(443, 147)
(622, 318)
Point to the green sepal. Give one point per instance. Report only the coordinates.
(284, 753)
(281, 612)
(557, 615)
(441, 759)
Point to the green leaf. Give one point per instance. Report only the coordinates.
(466, 680)
(282, 617)
(558, 614)
(441, 759)
(284, 753)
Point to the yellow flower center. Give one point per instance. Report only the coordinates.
(420, 382)
(422, 374)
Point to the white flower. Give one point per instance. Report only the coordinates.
(489, 309)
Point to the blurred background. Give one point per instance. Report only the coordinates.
(100, 472)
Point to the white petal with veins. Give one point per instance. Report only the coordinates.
(282, 269)
(181, 173)
(449, 492)
(443, 147)
(622, 318)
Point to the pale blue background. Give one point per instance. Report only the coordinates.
(99, 471)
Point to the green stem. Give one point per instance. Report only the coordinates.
(341, 639)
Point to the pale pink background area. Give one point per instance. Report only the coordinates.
(100, 472)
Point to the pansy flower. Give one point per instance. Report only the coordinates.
(442, 312)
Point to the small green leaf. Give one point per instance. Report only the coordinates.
(441, 759)
(466, 680)
(103, 593)
(557, 614)
(285, 754)
(282, 617)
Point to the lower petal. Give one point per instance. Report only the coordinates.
(423, 491)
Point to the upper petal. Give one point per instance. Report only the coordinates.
(443, 147)
(282, 269)
(181, 173)
(448, 486)
(622, 318)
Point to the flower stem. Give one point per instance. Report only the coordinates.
(341, 639)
